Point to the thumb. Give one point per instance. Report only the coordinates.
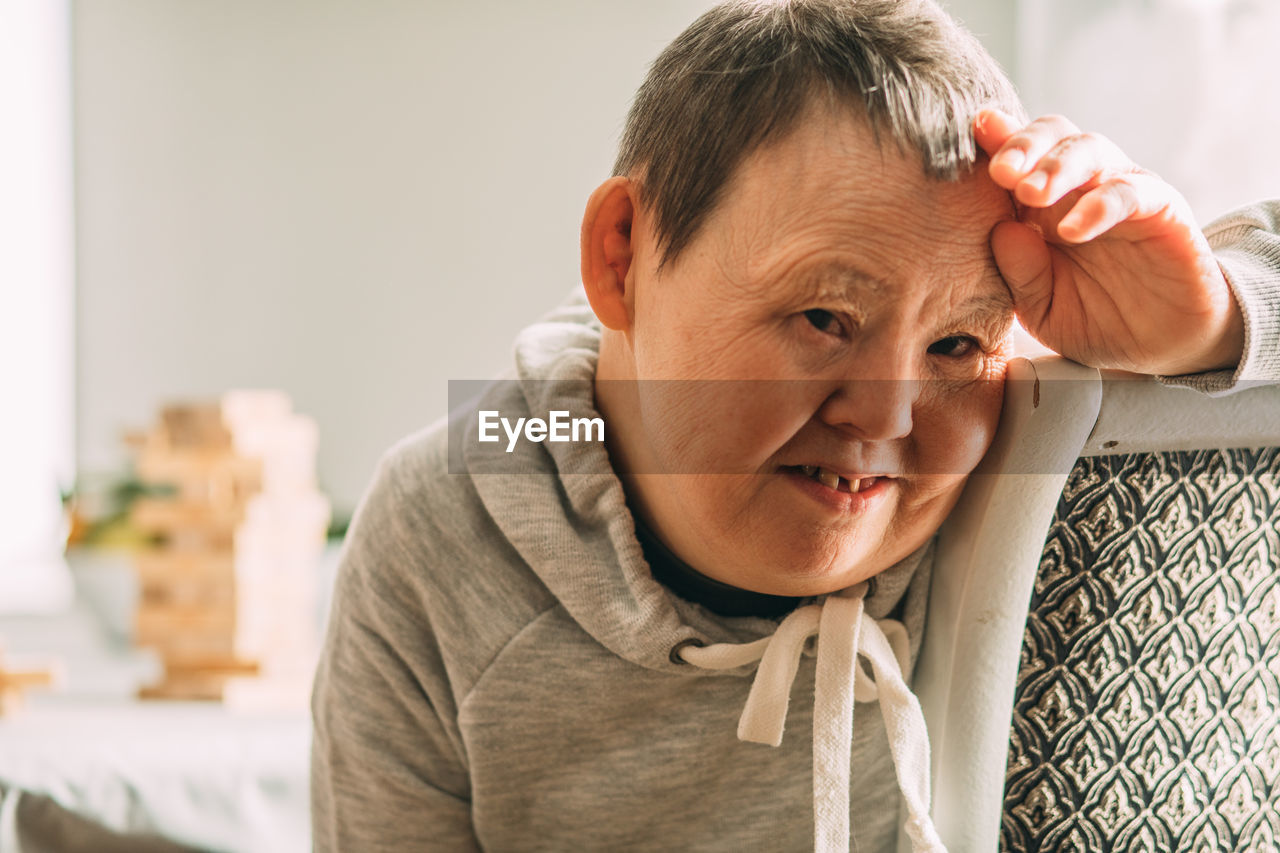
(1024, 262)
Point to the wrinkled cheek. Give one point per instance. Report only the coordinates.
(719, 426)
(675, 416)
(953, 428)
(954, 434)
(925, 506)
(985, 417)
(719, 504)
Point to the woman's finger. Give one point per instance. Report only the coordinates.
(992, 128)
(1133, 196)
(1072, 163)
(1021, 151)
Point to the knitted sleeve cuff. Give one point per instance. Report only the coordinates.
(1247, 246)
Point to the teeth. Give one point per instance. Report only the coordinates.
(832, 480)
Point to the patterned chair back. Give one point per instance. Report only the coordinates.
(1134, 704)
(1147, 706)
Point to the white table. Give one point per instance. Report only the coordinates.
(198, 773)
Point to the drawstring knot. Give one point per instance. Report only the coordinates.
(844, 636)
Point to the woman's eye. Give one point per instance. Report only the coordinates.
(823, 321)
(954, 346)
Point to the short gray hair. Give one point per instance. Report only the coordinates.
(744, 72)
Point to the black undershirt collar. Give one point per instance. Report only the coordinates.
(690, 584)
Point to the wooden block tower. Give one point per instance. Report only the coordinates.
(227, 592)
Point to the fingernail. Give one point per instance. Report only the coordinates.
(1036, 180)
(1071, 224)
(1012, 159)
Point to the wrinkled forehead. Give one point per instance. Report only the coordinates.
(834, 159)
(832, 195)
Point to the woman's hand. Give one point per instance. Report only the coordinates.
(1105, 261)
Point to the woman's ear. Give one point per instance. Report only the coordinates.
(607, 252)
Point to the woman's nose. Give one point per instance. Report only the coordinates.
(872, 409)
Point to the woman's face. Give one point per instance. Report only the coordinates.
(838, 315)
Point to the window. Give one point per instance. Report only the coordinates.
(36, 307)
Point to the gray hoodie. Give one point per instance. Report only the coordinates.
(499, 670)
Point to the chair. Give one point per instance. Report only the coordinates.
(1101, 668)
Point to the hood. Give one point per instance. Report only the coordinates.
(564, 510)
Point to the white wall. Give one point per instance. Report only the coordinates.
(358, 201)
(995, 23)
(1190, 89)
(352, 201)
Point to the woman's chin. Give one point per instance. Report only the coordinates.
(806, 574)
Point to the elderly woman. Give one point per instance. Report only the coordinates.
(800, 285)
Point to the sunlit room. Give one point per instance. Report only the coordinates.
(269, 583)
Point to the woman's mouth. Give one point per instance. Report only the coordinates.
(837, 493)
(832, 480)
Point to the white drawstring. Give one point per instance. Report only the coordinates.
(843, 636)
(765, 713)
(833, 695)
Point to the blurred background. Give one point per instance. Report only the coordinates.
(355, 202)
